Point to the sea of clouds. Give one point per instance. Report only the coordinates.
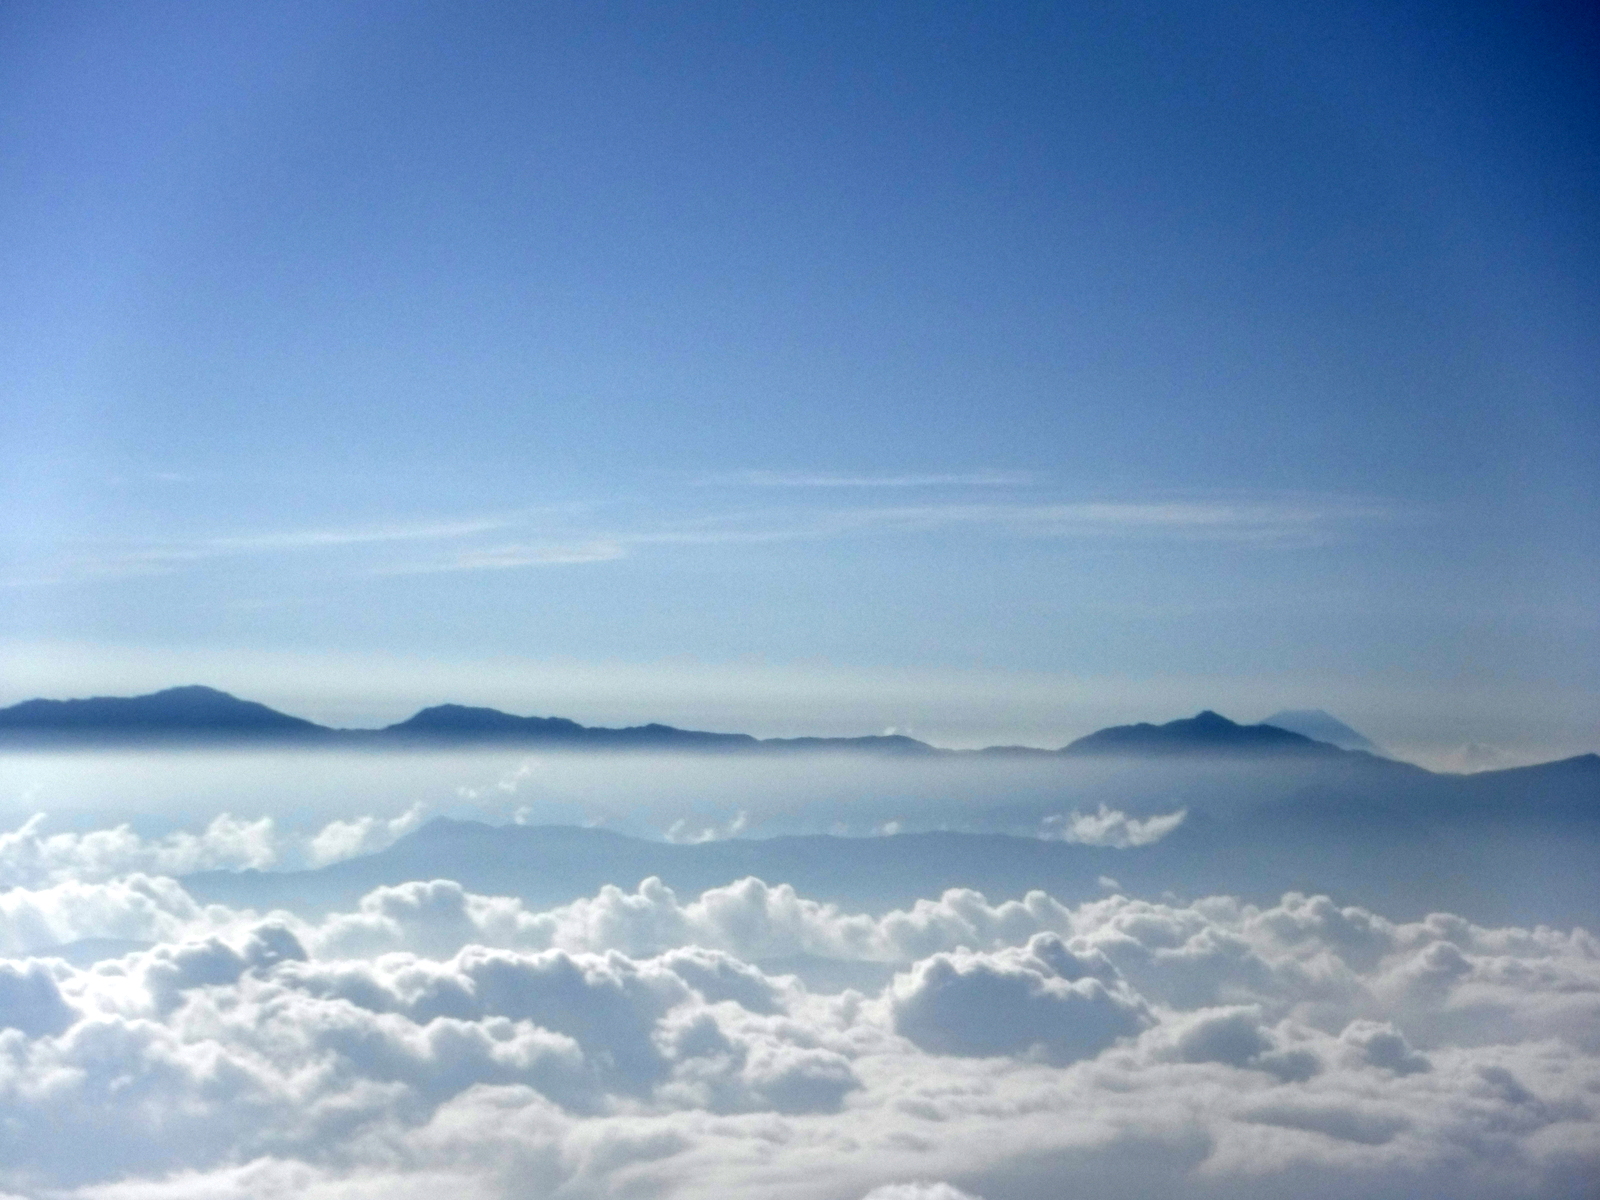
(644, 1044)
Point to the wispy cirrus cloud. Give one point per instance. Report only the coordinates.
(104, 560)
(309, 539)
(1267, 519)
(574, 535)
(831, 479)
(510, 557)
(1264, 520)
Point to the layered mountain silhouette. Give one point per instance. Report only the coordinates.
(1270, 809)
(1528, 873)
(1206, 762)
(202, 715)
(455, 724)
(196, 715)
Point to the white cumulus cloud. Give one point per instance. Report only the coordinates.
(638, 1043)
(30, 856)
(1111, 827)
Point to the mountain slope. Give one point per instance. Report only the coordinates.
(455, 723)
(1322, 726)
(1205, 733)
(202, 715)
(1490, 872)
(194, 712)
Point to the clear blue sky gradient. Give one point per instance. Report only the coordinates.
(1229, 341)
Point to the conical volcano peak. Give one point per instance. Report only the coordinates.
(1323, 727)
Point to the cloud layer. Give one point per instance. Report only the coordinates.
(640, 1043)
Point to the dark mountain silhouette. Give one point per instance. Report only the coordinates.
(457, 724)
(1269, 810)
(460, 721)
(180, 713)
(1204, 733)
(204, 716)
(1322, 726)
(1205, 762)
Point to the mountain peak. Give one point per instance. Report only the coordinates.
(190, 711)
(467, 721)
(1206, 732)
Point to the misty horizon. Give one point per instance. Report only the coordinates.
(188, 709)
(1466, 755)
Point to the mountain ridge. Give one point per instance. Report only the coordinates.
(1472, 869)
(190, 707)
(1206, 732)
(196, 715)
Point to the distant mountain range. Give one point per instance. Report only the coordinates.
(1269, 809)
(1205, 762)
(1524, 871)
(205, 715)
(198, 715)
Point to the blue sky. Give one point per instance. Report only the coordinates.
(1118, 359)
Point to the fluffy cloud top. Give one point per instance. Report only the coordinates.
(30, 857)
(635, 1043)
(1112, 827)
(1043, 1001)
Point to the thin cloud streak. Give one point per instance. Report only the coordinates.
(1286, 521)
(504, 558)
(805, 479)
(166, 559)
(1206, 519)
(314, 538)
(1255, 521)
